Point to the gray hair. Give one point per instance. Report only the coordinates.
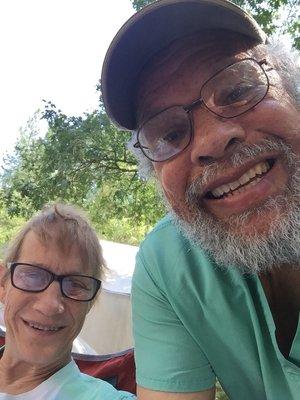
(287, 63)
(65, 226)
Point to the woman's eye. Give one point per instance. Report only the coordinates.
(77, 285)
(30, 276)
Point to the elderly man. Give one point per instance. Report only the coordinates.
(215, 112)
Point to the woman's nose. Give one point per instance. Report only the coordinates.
(50, 302)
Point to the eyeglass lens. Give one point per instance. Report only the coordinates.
(235, 89)
(35, 279)
(166, 134)
(229, 93)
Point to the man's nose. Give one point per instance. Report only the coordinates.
(50, 302)
(214, 137)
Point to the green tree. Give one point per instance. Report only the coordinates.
(274, 16)
(83, 160)
(9, 225)
(18, 181)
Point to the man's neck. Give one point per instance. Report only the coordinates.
(283, 282)
(17, 376)
(281, 287)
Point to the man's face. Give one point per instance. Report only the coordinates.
(41, 327)
(251, 151)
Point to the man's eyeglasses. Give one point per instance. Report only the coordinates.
(230, 92)
(32, 278)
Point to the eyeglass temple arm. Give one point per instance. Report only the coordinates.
(137, 145)
(265, 62)
(262, 62)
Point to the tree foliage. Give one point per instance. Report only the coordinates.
(274, 16)
(10, 225)
(83, 160)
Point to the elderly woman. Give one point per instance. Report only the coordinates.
(48, 284)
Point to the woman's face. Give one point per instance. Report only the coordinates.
(41, 327)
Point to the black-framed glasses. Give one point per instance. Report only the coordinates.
(32, 278)
(230, 92)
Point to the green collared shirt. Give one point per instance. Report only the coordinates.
(194, 321)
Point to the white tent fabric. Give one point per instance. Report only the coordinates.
(108, 327)
(120, 260)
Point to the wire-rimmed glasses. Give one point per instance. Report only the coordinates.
(33, 278)
(230, 92)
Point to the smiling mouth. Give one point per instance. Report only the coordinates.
(248, 179)
(43, 328)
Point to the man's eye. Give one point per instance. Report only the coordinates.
(173, 136)
(237, 96)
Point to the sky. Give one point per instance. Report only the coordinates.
(52, 50)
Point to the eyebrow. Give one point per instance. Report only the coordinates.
(48, 268)
(216, 67)
(35, 264)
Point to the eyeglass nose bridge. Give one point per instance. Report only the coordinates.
(190, 107)
(55, 278)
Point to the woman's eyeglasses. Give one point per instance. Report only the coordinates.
(32, 278)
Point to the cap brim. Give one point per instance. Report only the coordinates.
(152, 29)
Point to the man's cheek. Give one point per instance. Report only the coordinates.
(172, 188)
(176, 200)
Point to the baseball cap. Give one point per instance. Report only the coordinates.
(152, 29)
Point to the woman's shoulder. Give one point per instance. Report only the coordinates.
(91, 388)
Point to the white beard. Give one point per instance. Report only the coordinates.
(225, 241)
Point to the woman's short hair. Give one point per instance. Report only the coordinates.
(64, 226)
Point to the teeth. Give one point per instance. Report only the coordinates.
(244, 178)
(218, 192)
(265, 167)
(259, 168)
(238, 185)
(234, 185)
(224, 189)
(43, 328)
(251, 173)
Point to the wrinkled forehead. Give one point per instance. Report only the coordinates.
(206, 51)
(49, 246)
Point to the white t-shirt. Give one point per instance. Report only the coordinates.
(70, 384)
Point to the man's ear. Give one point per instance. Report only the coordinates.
(3, 279)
